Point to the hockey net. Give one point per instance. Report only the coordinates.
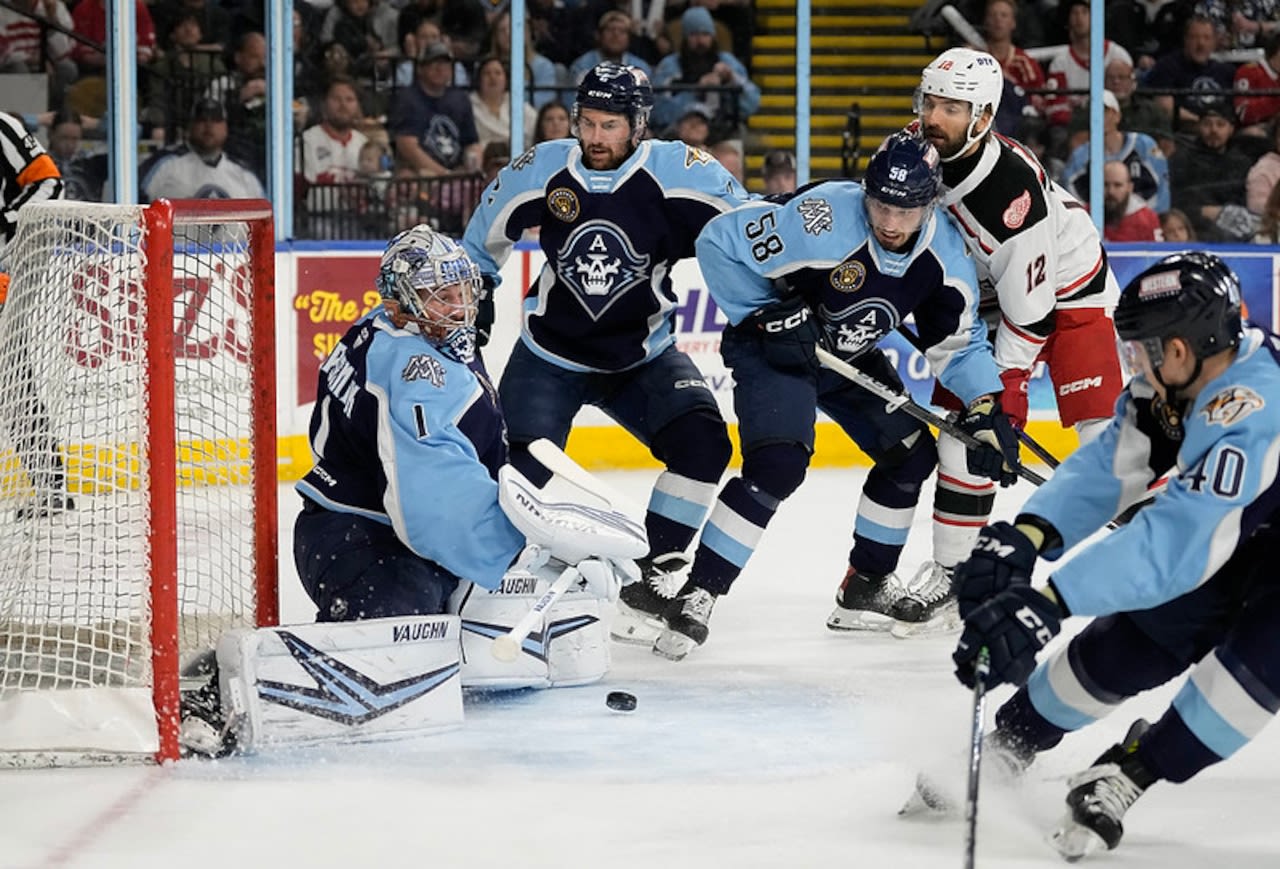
(137, 466)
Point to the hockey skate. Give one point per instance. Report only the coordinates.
(686, 616)
(204, 730)
(935, 794)
(865, 602)
(1100, 796)
(929, 604)
(641, 604)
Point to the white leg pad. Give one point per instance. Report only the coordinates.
(569, 647)
(341, 682)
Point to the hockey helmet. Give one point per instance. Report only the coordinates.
(963, 74)
(416, 277)
(618, 88)
(905, 171)
(1191, 295)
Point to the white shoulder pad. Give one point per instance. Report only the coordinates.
(574, 521)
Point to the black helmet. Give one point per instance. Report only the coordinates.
(1191, 295)
(618, 88)
(904, 171)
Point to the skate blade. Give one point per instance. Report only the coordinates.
(844, 620)
(1075, 841)
(943, 624)
(928, 800)
(673, 646)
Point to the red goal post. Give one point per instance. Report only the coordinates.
(137, 466)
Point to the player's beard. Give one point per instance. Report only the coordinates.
(947, 147)
(606, 158)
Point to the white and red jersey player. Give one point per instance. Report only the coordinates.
(1044, 277)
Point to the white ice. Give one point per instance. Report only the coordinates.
(777, 744)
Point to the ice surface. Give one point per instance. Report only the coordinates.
(777, 744)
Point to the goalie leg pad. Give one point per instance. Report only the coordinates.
(569, 647)
(341, 682)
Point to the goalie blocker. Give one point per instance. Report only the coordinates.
(351, 681)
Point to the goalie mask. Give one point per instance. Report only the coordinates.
(428, 280)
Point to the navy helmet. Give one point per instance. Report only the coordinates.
(618, 88)
(905, 171)
(1191, 295)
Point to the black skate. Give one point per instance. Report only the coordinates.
(865, 602)
(686, 616)
(1008, 758)
(1100, 796)
(204, 730)
(641, 604)
(929, 604)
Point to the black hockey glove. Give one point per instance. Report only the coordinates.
(484, 311)
(1002, 556)
(999, 461)
(789, 334)
(1013, 626)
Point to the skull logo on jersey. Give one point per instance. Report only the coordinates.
(598, 263)
(860, 327)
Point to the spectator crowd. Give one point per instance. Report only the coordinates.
(401, 108)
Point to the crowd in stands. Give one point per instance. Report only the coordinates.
(401, 108)
(1191, 111)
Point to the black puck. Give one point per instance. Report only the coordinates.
(621, 701)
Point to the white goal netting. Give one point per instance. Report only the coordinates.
(85, 415)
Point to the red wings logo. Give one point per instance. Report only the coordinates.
(1017, 211)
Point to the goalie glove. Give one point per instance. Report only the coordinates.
(998, 460)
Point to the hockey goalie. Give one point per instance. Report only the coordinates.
(433, 565)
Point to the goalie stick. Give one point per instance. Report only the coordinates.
(506, 647)
(903, 401)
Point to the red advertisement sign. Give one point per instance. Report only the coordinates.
(333, 292)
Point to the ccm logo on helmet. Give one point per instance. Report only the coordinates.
(1080, 385)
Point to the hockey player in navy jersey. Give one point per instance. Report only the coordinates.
(615, 212)
(842, 263)
(1046, 288)
(1188, 584)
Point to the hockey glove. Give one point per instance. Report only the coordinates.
(1002, 556)
(1013, 400)
(1013, 626)
(789, 334)
(999, 460)
(485, 311)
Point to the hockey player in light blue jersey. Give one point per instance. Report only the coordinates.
(614, 213)
(1187, 584)
(845, 264)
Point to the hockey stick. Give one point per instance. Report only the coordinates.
(1041, 453)
(980, 672)
(895, 400)
(506, 647)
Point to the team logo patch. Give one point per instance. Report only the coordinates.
(693, 154)
(1017, 211)
(848, 277)
(423, 367)
(563, 203)
(816, 214)
(1169, 419)
(598, 263)
(861, 327)
(1231, 405)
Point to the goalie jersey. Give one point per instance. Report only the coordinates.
(1223, 486)
(407, 436)
(603, 301)
(818, 243)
